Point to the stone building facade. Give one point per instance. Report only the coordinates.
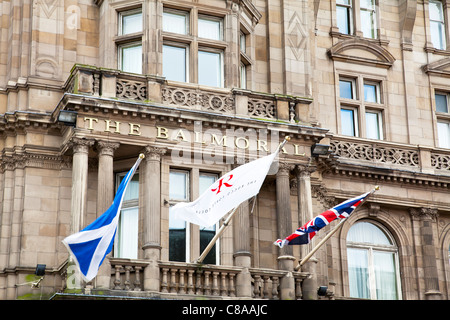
(200, 87)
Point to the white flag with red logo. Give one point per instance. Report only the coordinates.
(226, 193)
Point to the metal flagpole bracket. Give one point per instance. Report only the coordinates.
(332, 232)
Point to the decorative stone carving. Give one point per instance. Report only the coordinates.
(191, 98)
(375, 153)
(261, 108)
(131, 89)
(424, 213)
(154, 153)
(440, 161)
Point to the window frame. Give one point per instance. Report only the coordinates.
(393, 248)
(349, 11)
(187, 57)
(129, 39)
(195, 43)
(359, 104)
(126, 205)
(442, 117)
(442, 22)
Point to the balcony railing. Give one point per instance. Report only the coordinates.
(107, 83)
(391, 155)
(188, 280)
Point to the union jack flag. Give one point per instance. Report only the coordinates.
(304, 234)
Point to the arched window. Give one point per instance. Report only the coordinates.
(372, 263)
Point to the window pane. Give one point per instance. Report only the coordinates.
(346, 89)
(343, 19)
(365, 232)
(207, 233)
(368, 4)
(128, 234)
(348, 122)
(441, 102)
(132, 59)
(209, 68)
(346, 2)
(368, 24)
(177, 239)
(242, 42)
(436, 12)
(174, 63)
(373, 127)
(178, 185)
(385, 276)
(443, 134)
(358, 273)
(370, 93)
(243, 76)
(437, 35)
(132, 192)
(209, 29)
(175, 22)
(131, 23)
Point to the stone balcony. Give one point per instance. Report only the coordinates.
(150, 89)
(179, 280)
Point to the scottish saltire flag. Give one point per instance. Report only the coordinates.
(304, 234)
(90, 246)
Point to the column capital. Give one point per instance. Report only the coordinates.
(154, 153)
(304, 170)
(430, 214)
(106, 148)
(284, 168)
(81, 145)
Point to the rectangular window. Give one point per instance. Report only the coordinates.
(243, 76)
(344, 16)
(130, 22)
(176, 22)
(347, 89)
(372, 92)
(441, 102)
(130, 57)
(178, 230)
(210, 28)
(349, 122)
(175, 63)
(437, 25)
(126, 242)
(443, 134)
(374, 127)
(243, 42)
(207, 233)
(210, 68)
(368, 18)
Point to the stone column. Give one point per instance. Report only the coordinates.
(305, 213)
(284, 228)
(79, 197)
(105, 197)
(152, 216)
(423, 219)
(242, 254)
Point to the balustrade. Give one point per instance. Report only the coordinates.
(185, 278)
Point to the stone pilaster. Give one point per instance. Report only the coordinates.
(423, 219)
(79, 196)
(305, 212)
(284, 227)
(105, 196)
(152, 215)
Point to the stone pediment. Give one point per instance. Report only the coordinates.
(363, 52)
(439, 68)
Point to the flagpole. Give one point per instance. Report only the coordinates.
(328, 236)
(227, 221)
